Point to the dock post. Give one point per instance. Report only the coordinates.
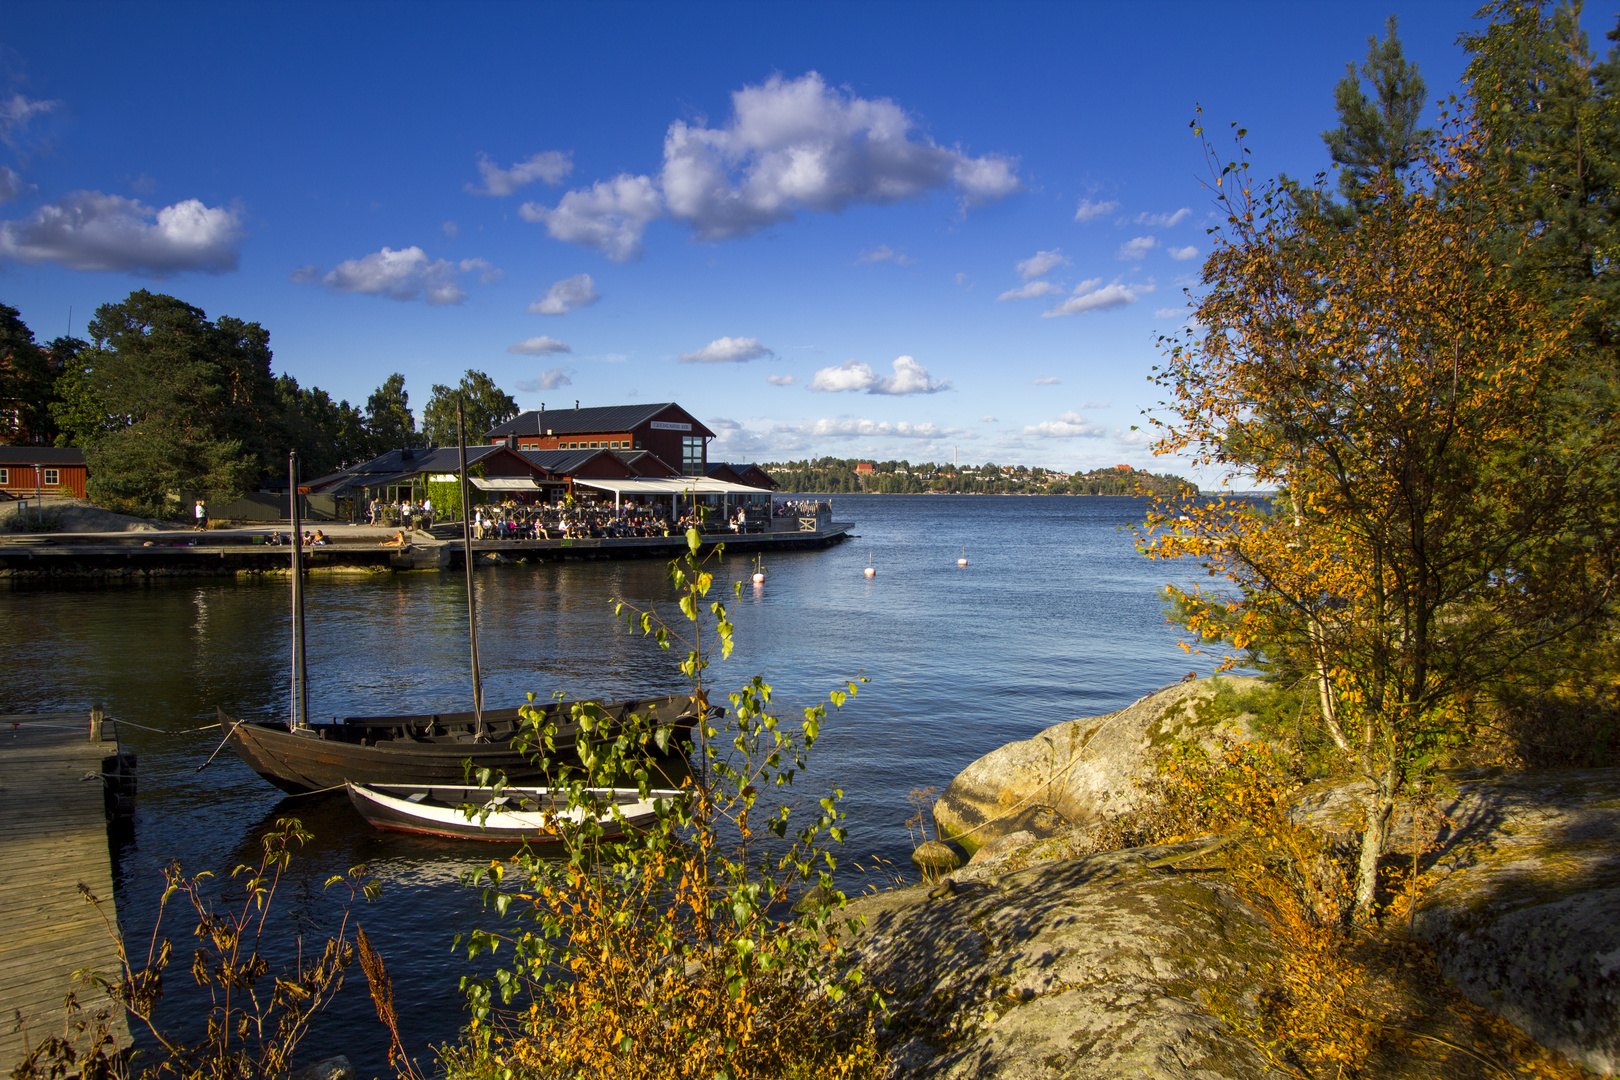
(96, 716)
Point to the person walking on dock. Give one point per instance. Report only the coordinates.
(201, 513)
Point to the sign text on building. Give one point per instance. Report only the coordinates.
(663, 425)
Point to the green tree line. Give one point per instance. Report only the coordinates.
(828, 475)
(168, 405)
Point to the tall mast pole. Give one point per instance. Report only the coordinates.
(300, 673)
(467, 563)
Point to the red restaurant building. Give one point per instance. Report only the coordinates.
(665, 430)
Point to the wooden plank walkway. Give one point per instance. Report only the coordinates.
(53, 835)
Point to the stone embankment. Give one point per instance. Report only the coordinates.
(1045, 958)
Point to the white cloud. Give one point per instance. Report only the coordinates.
(12, 184)
(779, 380)
(487, 272)
(988, 419)
(1029, 291)
(1133, 437)
(850, 375)
(1184, 253)
(1164, 220)
(400, 275)
(795, 144)
(1048, 380)
(790, 145)
(549, 379)
(538, 346)
(15, 113)
(1169, 313)
(909, 377)
(1087, 296)
(1090, 211)
(727, 350)
(849, 427)
(565, 295)
(1137, 247)
(961, 277)
(1039, 263)
(610, 215)
(1096, 404)
(552, 166)
(1070, 425)
(451, 229)
(884, 253)
(91, 231)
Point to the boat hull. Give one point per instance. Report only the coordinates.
(401, 750)
(437, 815)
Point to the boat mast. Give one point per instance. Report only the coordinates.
(467, 562)
(300, 673)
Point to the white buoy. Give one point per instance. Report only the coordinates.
(759, 572)
(963, 560)
(759, 579)
(871, 571)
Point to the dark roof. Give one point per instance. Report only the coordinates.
(645, 462)
(601, 418)
(559, 462)
(740, 470)
(440, 459)
(40, 455)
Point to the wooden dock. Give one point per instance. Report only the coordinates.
(53, 835)
(233, 552)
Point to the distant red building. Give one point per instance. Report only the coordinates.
(863, 468)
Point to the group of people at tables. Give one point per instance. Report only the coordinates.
(311, 539)
(515, 521)
(803, 508)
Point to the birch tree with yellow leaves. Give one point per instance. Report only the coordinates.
(1387, 378)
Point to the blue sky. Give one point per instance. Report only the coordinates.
(883, 230)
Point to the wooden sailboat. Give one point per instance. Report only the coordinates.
(430, 748)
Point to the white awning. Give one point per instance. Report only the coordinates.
(504, 483)
(672, 485)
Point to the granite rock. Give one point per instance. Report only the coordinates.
(1075, 772)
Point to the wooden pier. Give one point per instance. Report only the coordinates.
(243, 551)
(54, 808)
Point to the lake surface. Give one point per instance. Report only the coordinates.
(1055, 617)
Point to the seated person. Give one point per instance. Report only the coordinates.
(320, 538)
(398, 540)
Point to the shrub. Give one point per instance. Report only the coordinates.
(672, 952)
(256, 1018)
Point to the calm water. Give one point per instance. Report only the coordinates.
(1055, 617)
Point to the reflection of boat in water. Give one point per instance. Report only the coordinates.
(432, 749)
(298, 756)
(528, 815)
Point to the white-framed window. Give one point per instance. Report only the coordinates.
(52, 478)
(692, 455)
(5, 476)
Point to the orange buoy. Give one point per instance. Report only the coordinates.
(871, 571)
(963, 560)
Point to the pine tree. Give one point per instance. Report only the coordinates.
(1378, 133)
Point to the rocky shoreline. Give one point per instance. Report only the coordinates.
(1044, 957)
